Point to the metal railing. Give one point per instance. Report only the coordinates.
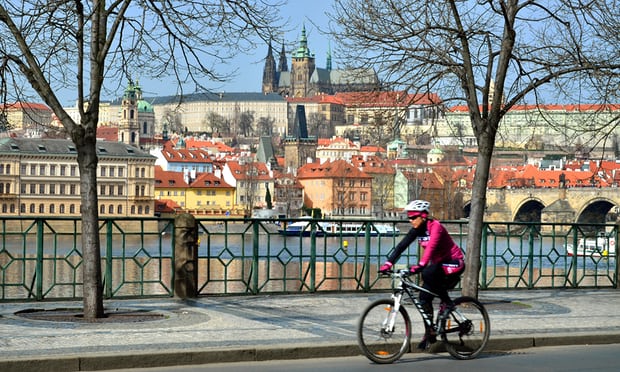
(41, 258)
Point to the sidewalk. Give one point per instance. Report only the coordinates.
(242, 328)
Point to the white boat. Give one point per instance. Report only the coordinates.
(601, 246)
(358, 229)
(303, 228)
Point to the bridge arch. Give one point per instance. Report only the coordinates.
(529, 210)
(597, 210)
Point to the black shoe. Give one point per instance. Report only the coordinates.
(427, 341)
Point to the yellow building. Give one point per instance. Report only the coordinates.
(41, 177)
(205, 194)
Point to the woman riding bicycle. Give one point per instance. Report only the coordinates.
(441, 263)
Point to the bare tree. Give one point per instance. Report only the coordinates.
(265, 126)
(487, 55)
(246, 123)
(59, 44)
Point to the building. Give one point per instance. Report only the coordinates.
(250, 179)
(288, 196)
(219, 114)
(25, 117)
(181, 159)
(337, 188)
(206, 194)
(40, 177)
(382, 183)
(305, 79)
(540, 127)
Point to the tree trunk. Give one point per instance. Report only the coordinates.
(92, 287)
(486, 144)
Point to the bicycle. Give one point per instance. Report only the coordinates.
(384, 328)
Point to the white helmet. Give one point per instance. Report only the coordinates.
(418, 206)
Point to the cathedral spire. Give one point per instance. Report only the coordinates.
(328, 65)
(270, 81)
(283, 66)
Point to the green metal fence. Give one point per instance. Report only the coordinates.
(41, 258)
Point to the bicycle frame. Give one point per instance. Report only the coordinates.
(410, 288)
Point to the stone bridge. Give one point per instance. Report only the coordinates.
(554, 205)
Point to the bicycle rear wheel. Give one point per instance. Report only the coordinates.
(466, 329)
(378, 343)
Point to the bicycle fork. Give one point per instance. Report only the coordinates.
(388, 323)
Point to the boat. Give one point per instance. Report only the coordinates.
(358, 229)
(302, 228)
(601, 246)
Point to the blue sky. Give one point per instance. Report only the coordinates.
(250, 67)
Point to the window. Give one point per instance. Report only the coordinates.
(351, 183)
(61, 209)
(62, 190)
(52, 189)
(41, 208)
(72, 208)
(52, 208)
(73, 170)
(120, 172)
(111, 209)
(119, 209)
(102, 209)
(42, 188)
(33, 170)
(63, 170)
(33, 188)
(72, 188)
(42, 170)
(362, 196)
(120, 189)
(102, 171)
(52, 169)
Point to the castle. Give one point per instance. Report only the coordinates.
(306, 79)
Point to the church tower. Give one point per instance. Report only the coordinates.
(303, 66)
(129, 127)
(270, 74)
(299, 148)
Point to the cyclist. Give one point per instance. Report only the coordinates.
(441, 263)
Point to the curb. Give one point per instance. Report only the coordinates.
(101, 362)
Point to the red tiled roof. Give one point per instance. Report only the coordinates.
(333, 169)
(169, 179)
(209, 180)
(240, 171)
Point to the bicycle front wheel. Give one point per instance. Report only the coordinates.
(377, 340)
(465, 331)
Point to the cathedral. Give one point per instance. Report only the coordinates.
(305, 79)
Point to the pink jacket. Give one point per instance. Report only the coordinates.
(438, 245)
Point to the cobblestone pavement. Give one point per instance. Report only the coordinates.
(215, 329)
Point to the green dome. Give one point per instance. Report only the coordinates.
(144, 106)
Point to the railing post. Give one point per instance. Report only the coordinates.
(367, 257)
(616, 275)
(255, 257)
(39, 265)
(530, 259)
(186, 256)
(312, 262)
(483, 257)
(108, 259)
